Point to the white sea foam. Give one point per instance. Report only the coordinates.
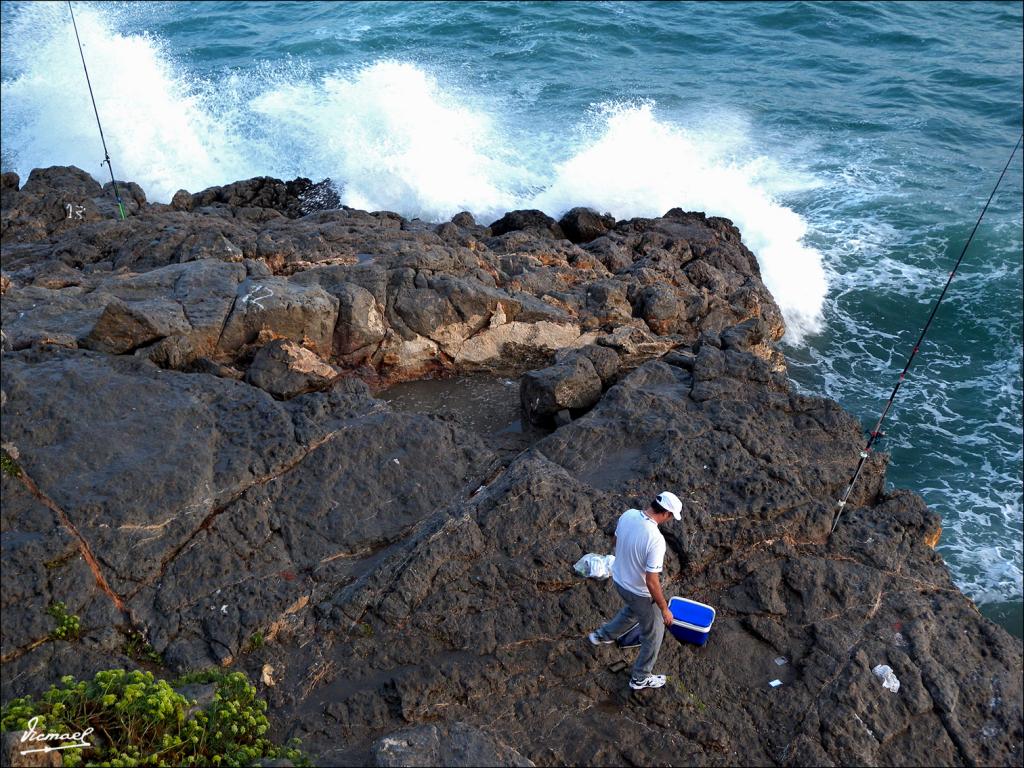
(393, 136)
(396, 140)
(157, 131)
(637, 165)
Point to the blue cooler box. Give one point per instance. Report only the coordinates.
(692, 622)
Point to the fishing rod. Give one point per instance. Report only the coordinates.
(106, 154)
(877, 433)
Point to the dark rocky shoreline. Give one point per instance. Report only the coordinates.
(188, 401)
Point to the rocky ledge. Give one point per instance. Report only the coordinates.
(194, 454)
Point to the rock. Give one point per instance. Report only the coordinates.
(459, 745)
(360, 323)
(604, 359)
(516, 344)
(573, 384)
(581, 225)
(535, 221)
(606, 299)
(444, 300)
(182, 200)
(679, 358)
(413, 747)
(52, 200)
(293, 199)
(199, 696)
(306, 315)
(285, 369)
(634, 343)
(123, 326)
(413, 571)
(12, 749)
(310, 197)
(132, 196)
(662, 309)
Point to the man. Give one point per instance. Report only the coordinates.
(639, 558)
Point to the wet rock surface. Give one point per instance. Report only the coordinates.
(196, 454)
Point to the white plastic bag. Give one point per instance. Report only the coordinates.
(888, 677)
(594, 566)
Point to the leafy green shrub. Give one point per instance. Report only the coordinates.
(8, 465)
(137, 647)
(256, 642)
(139, 720)
(68, 625)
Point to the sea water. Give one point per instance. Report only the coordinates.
(854, 144)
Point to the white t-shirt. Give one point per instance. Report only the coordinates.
(639, 549)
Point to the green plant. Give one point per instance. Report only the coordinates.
(68, 625)
(256, 642)
(137, 647)
(9, 466)
(143, 721)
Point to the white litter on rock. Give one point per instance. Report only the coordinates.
(780, 661)
(889, 680)
(593, 566)
(775, 683)
(267, 676)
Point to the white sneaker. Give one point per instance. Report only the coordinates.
(595, 639)
(651, 681)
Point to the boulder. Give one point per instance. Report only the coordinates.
(12, 747)
(604, 359)
(53, 200)
(124, 326)
(582, 225)
(636, 343)
(516, 345)
(293, 198)
(360, 323)
(537, 222)
(571, 385)
(182, 200)
(661, 308)
(132, 196)
(607, 301)
(305, 314)
(285, 369)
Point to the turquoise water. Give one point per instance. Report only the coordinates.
(853, 143)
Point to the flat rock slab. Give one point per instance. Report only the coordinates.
(399, 590)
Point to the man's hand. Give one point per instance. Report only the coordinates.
(654, 587)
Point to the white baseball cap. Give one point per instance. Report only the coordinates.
(669, 502)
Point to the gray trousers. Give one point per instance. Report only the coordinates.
(642, 609)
